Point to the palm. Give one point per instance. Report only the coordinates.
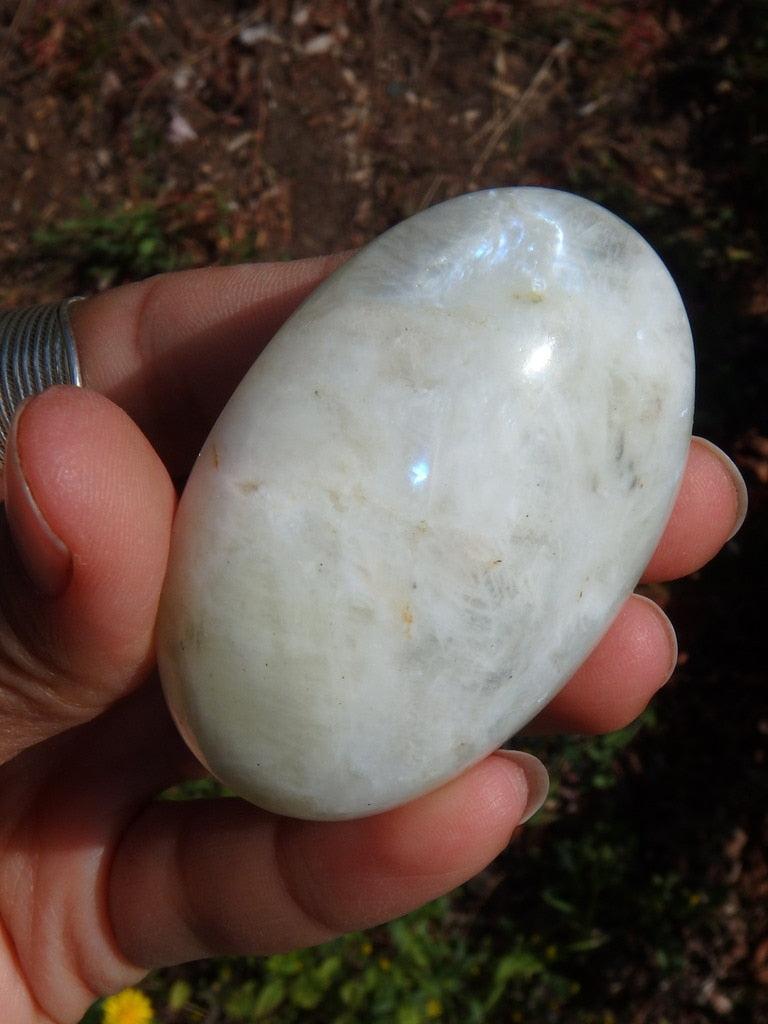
(65, 806)
(99, 881)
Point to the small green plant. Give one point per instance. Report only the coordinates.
(418, 969)
(105, 248)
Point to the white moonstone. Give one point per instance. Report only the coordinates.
(426, 502)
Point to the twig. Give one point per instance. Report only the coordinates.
(163, 73)
(512, 116)
(431, 192)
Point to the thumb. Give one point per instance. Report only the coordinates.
(83, 549)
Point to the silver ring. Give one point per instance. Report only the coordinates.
(37, 350)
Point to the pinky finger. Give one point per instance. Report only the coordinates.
(614, 685)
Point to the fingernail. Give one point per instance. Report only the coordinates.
(44, 555)
(742, 497)
(668, 630)
(537, 777)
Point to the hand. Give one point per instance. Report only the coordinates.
(98, 882)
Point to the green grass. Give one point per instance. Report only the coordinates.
(102, 248)
(423, 967)
(106, 247)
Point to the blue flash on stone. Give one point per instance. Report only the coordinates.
(419, 472)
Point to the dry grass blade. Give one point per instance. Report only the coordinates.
(558, 52)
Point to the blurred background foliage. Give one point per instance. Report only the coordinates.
(143, 138)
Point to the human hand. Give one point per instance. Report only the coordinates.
(98, 881)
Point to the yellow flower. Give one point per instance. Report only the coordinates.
(434, 1008)
(366, 949)
(385, 964)
(128, 1007)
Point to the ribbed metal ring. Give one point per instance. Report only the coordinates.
(37, 350)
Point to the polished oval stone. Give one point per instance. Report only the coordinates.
(426, 502)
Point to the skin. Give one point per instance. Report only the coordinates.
(98, 881)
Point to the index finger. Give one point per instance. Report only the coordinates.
(171, 350)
